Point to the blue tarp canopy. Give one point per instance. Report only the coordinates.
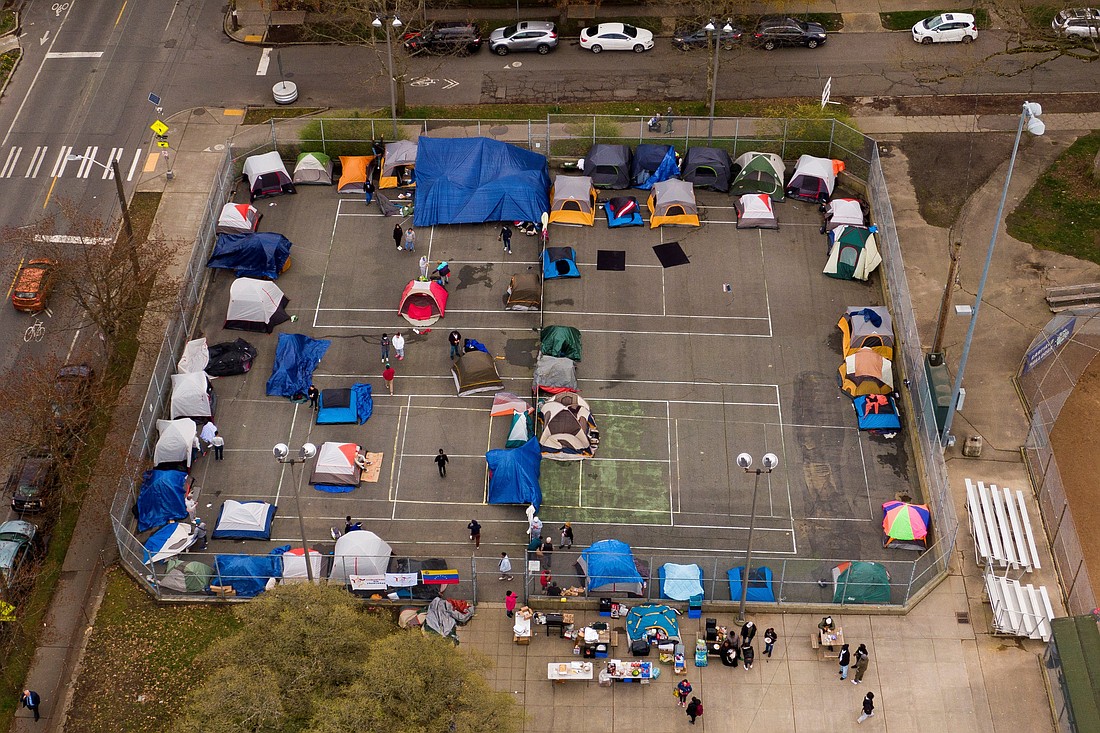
(296, 356)
(162, 499)
(474, 180)
(658, 617)
(258, 254)
(656, 162)
(514, 474)
(609, 562)
(760, 584)
(248, 574)
(680, 582)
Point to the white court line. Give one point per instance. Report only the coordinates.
(9, 164)
(36, 161)
(866, 478)
(265, 61)
(404, 437)
(668, 431)
(328, 259)
(517, 314)
(74, 55)
(383, 327)
(137, 155)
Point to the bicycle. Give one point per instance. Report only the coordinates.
(36, 331)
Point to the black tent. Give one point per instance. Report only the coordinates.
(708, 167)
(608, 165)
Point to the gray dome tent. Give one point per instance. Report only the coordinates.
(608, 165)
(708, 167)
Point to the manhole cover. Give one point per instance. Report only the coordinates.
(198, 111)
(498, 130)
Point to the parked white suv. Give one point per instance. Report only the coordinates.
(946, 27)
(1080, 22)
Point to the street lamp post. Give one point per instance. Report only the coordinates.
(395, 23)
(744, 460)
(1029, 117)
(117, 172)
(282, 454)
(712, 29)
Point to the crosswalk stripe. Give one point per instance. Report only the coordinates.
(61, 162)
(13, 161)
(86, 164)
(109, 171)
(36, 161)
(133, 166)
(9, 164)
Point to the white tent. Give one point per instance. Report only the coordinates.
(336, 465)
(255, 305)
(191, 395)
(175, 442)
(568, 430)
(294, 565)
(266, 175)
(244, 520)
(813, 179)
(754, 211)
(238, 219)
(313, 168)
(196, 355)
(359, 553)
(843, 212)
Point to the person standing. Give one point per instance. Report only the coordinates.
(31, 700)
(398, 235)
(475, 532)
(506, 237)
(368, 191)
(388, 374)
(545, 579)
(385, 348)
(313, 394)
(441, 463)
(510, 603)
(398, 343)
(748, 654)
(682, 691)
(863, 660)
(505, 567)
(566, 536)
(423, 267)
(443, 270)
(455, 340)
(868, 707)
(748, 632)
(668, 121)
(534, 528)
(547, 552)
(694, 709)
(219, 445)
(207, 436)
(410, 239)
(845, 660)
(770, 637)
(729, 653)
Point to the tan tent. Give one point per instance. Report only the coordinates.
(524, 293)
(475, 372)
(867, 326)
(573, 200)
(866, 372)
(673, 202)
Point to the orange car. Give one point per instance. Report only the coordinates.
(32, 285)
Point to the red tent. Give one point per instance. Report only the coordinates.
(423, 303)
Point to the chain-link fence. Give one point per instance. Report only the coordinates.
(1051, 368)
(794, 581)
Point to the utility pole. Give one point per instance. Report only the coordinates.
(945, 303)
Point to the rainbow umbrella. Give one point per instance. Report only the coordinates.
(905, 525)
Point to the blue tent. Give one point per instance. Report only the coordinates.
(559, 262)
(514, 474)
(162, 499)
(656, 162)
(345, 406)
(652, 621)
(760, 584)
(474, 180)
(609, 562)
(296, 356)
(248, 574)
(258, 254)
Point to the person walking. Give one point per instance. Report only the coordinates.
(505, 567)
(868, 707)
(547, 551)
(398, 343)
(455, 340)
(443, 270)
(385, 349)
(388, 374)
(368, 191)
(506, 237)
(475, 532)
(566, 536)
(748, 632)
(682, 691)
(845, 660)
(510, 599)
(863, 660)
(748, 654)
(313, 394)
(770, 637)
(423, 267)
(694, 709)
(410, 239)
(398, 235)
(31, 700)
(219, 445)
(441, 463)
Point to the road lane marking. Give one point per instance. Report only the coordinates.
(120, 12)
(49, 193)
(109, 171)
(74, 55)
(70, 239)
(133, 166)
(27, 94)
(9, 164)
(233, 112)
(253, 39)
(85, 168)
(265, 61)
(36, 161)
(151, 162)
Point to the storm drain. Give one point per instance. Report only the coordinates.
(962, 617)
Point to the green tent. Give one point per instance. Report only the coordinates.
(189, 577)
(562, 341)
(759, 173)
(861, 582)
(520, 432)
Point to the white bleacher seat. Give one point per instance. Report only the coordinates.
(1001, 527)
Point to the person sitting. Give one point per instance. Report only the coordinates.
(553, 590)
(827, 625)
(729, 654)
(655, 123)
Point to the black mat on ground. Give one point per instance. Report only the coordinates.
(611, 259)
(670, 254)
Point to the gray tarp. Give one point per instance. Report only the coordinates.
(555, 371)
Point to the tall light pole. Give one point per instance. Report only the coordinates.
(1029, 116)
(117, 173)
(711, 29)
(395, 23)
(282, 454)
(744, 460)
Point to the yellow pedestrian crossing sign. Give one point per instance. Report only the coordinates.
(162, 143)
(7, 611)
(159, 127)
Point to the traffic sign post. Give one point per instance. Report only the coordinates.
(159, 128)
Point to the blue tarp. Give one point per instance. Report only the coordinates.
(760, 584)
(259, 254)
(659, 617)
(608, 562)
(644, 159)
(296, 356)
(885, 420)
(359, 407)
(514, 474)
(474, 180)
(248, 574)
(162, 499)
(680, 582)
